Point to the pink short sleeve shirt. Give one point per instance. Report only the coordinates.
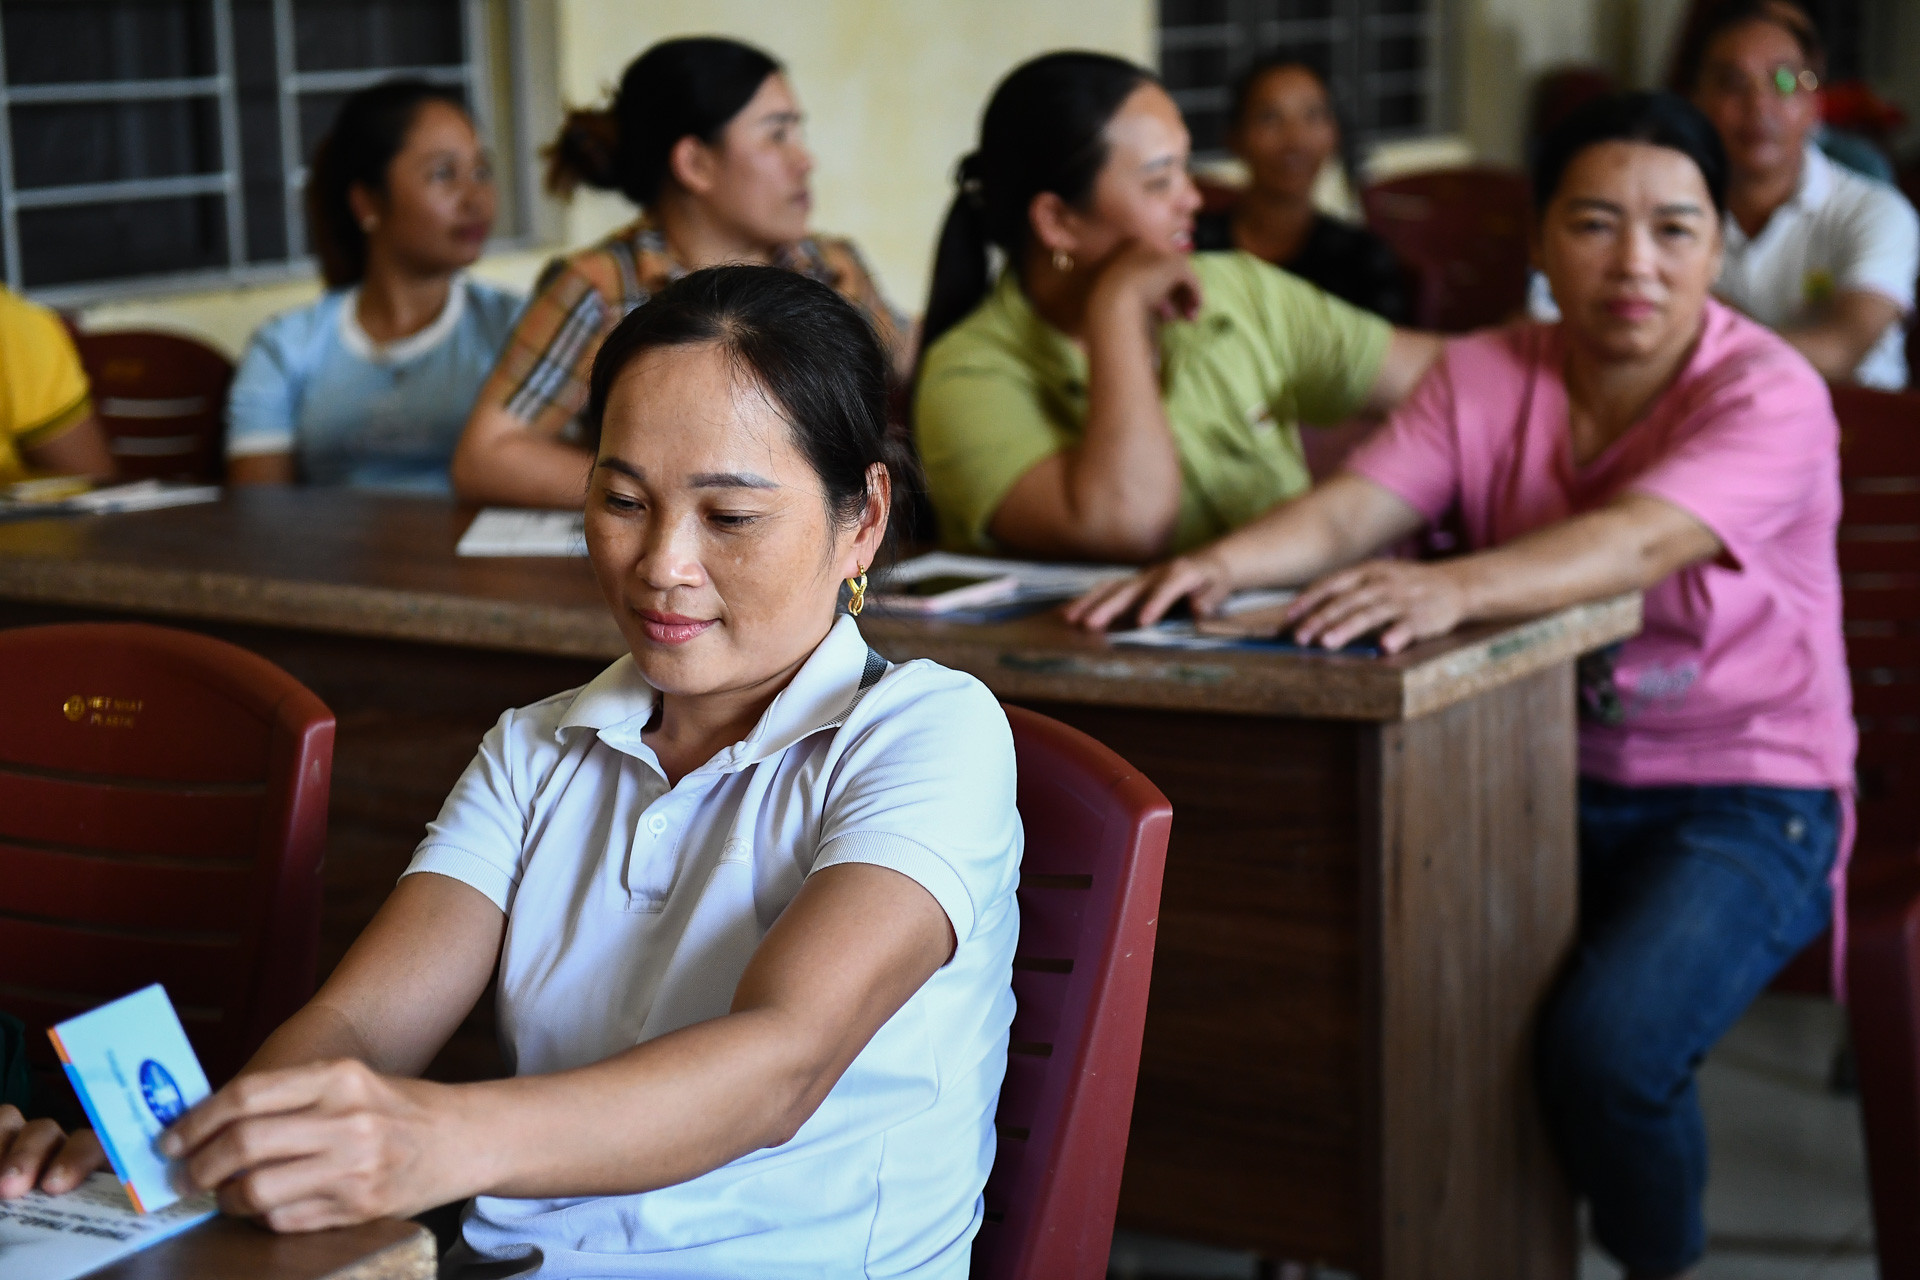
(1739, 675)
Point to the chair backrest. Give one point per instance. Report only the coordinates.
(1464, 233)
(162, 401)
(163, 805)
(1880, 582)
(1096, 844)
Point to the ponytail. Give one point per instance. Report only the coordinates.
(961, 262)
(1044, 130)
(692, 87)
(586, 152)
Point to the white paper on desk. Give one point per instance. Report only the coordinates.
(60, 1237)
(1038, 580)
(505, 531)
(140, 495)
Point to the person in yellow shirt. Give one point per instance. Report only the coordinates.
(46, 415)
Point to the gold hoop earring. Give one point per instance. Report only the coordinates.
(857, 592)
(1062, 261)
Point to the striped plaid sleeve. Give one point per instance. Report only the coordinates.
(542, 375)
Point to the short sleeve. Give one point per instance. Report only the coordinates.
(543, 373)
(1883, 253)
(41, 379)
(980, 425)
(1749, 458)
(926, 788)
(1416, 454)
(1331, 350)
(263, 405)
(480, 836)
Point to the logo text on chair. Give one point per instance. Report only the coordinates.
(108, 713)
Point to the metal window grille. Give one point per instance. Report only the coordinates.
(169, 138)
(1380, 58)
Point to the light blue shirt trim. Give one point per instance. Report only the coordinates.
(353, 413)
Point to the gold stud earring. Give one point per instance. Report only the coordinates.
(857, 592)
(1062, 261)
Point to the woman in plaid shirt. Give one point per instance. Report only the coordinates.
(705, 137)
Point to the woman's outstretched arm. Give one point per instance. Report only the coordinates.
(333, 1142)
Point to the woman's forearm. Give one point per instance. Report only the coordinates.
(1627, 546)
(1123, 480)
(502, 461)
(658, 1114)
(1341, 521)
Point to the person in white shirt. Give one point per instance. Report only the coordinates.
(749, 893)
(1814, 251)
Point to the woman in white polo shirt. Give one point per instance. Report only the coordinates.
(749, 893)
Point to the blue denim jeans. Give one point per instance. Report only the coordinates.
(1691, 900)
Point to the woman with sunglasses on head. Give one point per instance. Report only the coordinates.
(1284, 129)
(1653, 440)
(1814, 250)
(1112, 395)
(370, 386)
(705, 137)
(747, 896)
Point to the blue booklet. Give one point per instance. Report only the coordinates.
(136, 1074)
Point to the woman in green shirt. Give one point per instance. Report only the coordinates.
(1114, 396)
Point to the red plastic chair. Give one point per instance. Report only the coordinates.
(162, 402)
(1880, 583)
(1089, 901)
(163, 806)
(1464, 233)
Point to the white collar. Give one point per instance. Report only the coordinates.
(356, 340)
(618, 703)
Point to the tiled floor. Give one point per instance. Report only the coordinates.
(1788, 1196)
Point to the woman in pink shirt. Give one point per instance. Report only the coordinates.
(1652, 440)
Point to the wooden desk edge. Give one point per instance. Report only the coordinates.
(1233, 683)
(336, 608)
(1519, 652)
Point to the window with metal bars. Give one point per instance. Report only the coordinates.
(169, 138)
(1380, 58)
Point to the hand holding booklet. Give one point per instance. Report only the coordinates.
(135, 1073)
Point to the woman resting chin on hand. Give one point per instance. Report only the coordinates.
(1653, 440)
(749, 892)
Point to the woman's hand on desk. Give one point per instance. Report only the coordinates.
(38, 1153)
(325, 1145)
(1403, 600)
(1202, 577)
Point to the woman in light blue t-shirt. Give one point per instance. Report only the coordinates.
(371, 385)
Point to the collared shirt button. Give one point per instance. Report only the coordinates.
(657, 823)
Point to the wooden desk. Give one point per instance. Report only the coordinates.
(1370, 886)
(227, 1249)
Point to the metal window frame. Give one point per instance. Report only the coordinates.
(472, 74)
(1351, 34)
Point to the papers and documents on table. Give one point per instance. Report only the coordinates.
(506, 531)
(63, 496)
(60, 1237)
(135, 1073)
(1036, 585)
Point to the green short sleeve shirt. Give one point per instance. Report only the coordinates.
(1003, 390)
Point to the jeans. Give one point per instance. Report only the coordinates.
(1691, 900)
